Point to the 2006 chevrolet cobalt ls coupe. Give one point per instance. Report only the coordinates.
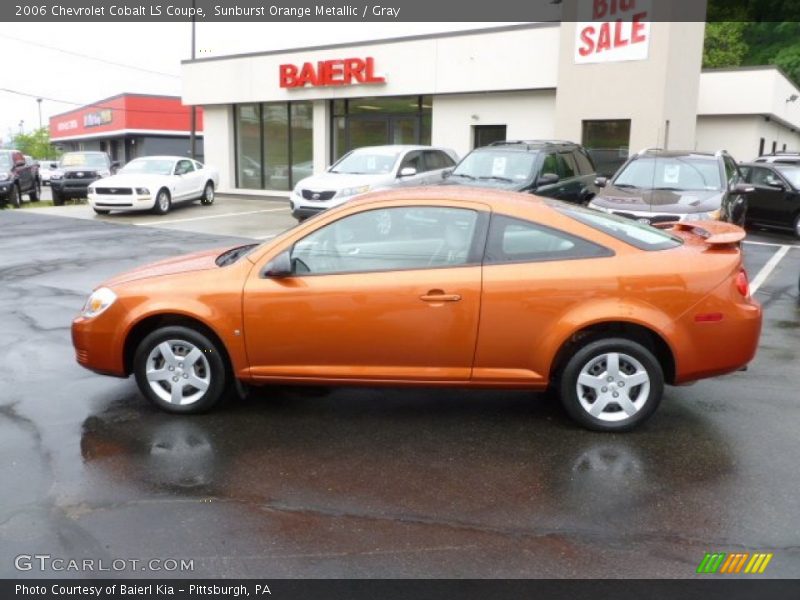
(438, 287)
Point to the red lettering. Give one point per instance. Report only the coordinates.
(619, 41)
(599, 9)
(336, 72)
(588, 41)
(604, 37)
(626, 5)
(637, 28)
(370, 75)
(288, 76)
(307, 75)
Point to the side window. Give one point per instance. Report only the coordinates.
(731, 172)
(550, 164)
(747, 173)
(516, 240)
(197, 165)
(413, 160)
(567, 165)
(759, 176)
(435, 160)
(389, 239)
(585, 165)
(183, 167)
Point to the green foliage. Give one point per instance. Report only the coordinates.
(724, 44)
(36, 144)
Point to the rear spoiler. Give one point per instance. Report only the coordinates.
(714, 233)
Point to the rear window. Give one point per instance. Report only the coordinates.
(631, 232)
(680, 173)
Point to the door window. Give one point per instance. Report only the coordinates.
(434, 160)
(183, 167)
(414, 160)
(566, 165)
(550, 164)
(389, 239)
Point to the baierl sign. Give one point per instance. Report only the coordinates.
(618, 30)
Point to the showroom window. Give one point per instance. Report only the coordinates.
(607, 142)
(483, 135)
(358, 122)
(273, 144)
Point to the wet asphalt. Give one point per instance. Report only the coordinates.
(318, 482)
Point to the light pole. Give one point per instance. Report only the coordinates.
(193, 133)
(39, 102)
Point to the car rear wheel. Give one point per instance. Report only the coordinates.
(208, 194)
(611, 384)
(36, 193)
(797, 225)
(163, 203)
(180, 370)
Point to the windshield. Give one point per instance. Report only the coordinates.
(368, 162)
(679, 173)
(791, 172)
(81, 159)
(629, 231)
(502, 165)
(151, 166)
(5, 161)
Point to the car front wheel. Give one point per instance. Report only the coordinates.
(208, 194)
(797, 225)
(163, 203)
(180, 370)
(611, 384)
(14, 199)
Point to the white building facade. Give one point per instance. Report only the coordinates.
(273, 118)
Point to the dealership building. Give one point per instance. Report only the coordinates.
(128, 126)
(271, 118)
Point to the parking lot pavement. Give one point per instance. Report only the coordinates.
(255, 217)
(369, 482)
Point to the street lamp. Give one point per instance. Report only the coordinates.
(39, 102)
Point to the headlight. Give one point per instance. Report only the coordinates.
(4, 176)
(104, 173)
(90, 190)
(702, 216)
(55, 175)
(353, 191)
(143, 191)
(98, 302)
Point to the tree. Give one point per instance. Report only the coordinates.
(36, 144)
(724, 44)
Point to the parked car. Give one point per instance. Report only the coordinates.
(663, 186)
(555, 169)
(46, 168)
(17, 177)
(76, 170)
(785, 158)
(34, 166)
(370, 168)
(775, 199)
(437, 286)
(154, 183)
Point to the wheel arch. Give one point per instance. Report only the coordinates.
(636, 332)
(150, 323)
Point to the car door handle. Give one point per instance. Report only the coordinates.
(439, 296)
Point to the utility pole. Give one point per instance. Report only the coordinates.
(193, 133)
(39, 102)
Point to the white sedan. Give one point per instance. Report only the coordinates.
(154, 183)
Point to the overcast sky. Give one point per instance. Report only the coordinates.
(63, 79)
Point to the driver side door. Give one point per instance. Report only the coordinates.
(389, 294)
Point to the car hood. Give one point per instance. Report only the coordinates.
(485, 183)
(132, 180)
(197, 261)
(338, 181)
(663, 201)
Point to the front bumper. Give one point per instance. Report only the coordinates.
(5, 188)
(97, 345)
(72, 188)
(121, 201)
(302, 208)
(646, 216)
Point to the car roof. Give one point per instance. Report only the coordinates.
(527, 145)
(399, 147)
(163, 157)
(770, 164)
(675, 153)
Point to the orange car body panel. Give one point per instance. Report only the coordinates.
(504, 332)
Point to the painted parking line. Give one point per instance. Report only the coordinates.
(220, 216)
(774, 244)
(768, 268)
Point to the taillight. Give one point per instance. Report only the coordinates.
(742, 285)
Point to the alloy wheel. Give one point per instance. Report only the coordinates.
(178, 372)
(613, 386)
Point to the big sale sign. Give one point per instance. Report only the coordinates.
(618, 30)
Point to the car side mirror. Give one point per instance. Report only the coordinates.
(600, 181)
(407, 172)
(280, 266)
(743, 188)
(547, 179)
(446, 173)
(775, 184)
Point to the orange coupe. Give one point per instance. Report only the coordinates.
(438, 287)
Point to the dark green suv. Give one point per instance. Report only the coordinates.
(552, 168)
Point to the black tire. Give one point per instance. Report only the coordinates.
(633, 358)
(208, 194)
(36, 193)
(14, 199)
(101, 211)
(210, 365)
(797, 226)
(58, 198)
(163, 202)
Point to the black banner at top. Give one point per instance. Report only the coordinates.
(387, 10)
